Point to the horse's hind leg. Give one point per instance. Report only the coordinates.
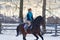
(17, 30)
(36, 36)
(41, 36)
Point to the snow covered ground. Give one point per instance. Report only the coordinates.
(29, 37)
(11, 35)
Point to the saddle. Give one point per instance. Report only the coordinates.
(27, 27)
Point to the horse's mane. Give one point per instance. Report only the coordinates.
(37, 20)
(39, 17)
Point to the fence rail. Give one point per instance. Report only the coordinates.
(5, 26)
(8, 26)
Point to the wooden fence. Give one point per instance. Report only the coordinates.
(7, 25)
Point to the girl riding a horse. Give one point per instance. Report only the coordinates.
(36, 23)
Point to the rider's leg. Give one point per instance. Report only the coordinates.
(26, 27)
(29, 23)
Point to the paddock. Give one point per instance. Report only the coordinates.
(50, 28)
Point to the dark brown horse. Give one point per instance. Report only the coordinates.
(35, 30)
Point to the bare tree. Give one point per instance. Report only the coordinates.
(21, 10)
(43, 14)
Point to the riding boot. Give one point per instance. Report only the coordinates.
(30, 27)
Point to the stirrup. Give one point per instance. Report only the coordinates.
(30, 27)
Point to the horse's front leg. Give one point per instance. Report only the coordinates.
(24, 36)
(35, 36)
(41, 36)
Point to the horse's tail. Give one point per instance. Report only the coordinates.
(17, 30)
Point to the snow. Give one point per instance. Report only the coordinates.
(11, 35)
(29, 37)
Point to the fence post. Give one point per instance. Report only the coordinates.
(0, 28)
(55, 29)
(55, 26)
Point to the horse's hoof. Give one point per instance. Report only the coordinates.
(36, 39)
(24, 39)
(16, 35)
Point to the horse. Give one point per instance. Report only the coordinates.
(35, 30)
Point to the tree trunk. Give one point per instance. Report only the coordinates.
(21, 11)
(43, 14)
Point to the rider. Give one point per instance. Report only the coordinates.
(29, 17)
